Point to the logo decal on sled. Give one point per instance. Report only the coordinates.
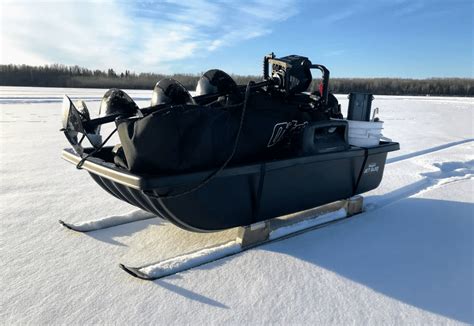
(281, 128)
(372, 168)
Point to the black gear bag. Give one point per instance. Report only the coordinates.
(193, 137)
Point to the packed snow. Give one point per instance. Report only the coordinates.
(306, 224)
(191, 260)
(408, 259)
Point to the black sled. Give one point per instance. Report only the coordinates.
(296, 165)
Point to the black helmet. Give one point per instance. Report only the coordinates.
(170, 91)
(116, 101)
(215, 81)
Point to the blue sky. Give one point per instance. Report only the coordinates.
(359, 38)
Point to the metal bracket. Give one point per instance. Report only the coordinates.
(253, 234)
(354, 205)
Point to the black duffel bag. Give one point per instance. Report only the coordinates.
(193, 137)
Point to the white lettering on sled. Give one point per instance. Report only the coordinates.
(281, 128)
(373, 167)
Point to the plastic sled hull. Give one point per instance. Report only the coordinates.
(243, 195)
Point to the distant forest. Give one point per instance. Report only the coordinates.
(57, 75)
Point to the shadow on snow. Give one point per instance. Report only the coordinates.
(419, 252)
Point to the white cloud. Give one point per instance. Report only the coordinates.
(122, 35)
(396, 8)
(340, 15)
(409, 8)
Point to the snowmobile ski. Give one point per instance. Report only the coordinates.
(250, 237)
(107, 222)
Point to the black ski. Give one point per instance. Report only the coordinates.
(137, 271)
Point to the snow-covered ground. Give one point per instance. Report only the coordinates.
(408, 259)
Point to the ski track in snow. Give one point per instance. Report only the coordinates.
(407, 259)
(428, 151)
(449, 172)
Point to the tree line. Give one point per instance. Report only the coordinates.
(58, 75)
(403, 86)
